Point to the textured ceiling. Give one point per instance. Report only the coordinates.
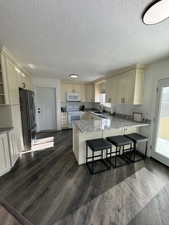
(88, 37)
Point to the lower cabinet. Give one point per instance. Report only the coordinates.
(14, 145)
(9, 150)
(5, 161)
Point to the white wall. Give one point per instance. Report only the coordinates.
(54, 83)
(153, 73)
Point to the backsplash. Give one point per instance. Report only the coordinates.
(74, 106)
(126, 111)
(121, 110)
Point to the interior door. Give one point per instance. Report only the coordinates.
(161, 131)
(46, 108)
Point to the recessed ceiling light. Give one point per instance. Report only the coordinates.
(32, 66)
(156, 12)
(73, 76)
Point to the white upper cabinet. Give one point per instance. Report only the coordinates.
(86, 91)
(126, 88)
(12, 83)
(89, 92)
(11, 78)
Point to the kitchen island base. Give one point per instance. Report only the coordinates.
(80, 138)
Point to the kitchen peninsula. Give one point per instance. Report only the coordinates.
(99, 128)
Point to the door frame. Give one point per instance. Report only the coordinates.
(37, 120)
(161, 84)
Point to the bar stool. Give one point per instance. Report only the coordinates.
(96, 145)
(138, 138)
(120, 142)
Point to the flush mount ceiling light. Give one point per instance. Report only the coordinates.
(73, 76)
(156, 12)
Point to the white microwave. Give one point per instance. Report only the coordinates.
(73, 97)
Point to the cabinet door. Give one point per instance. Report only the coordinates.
(112, 132)
(130, 130)
(108, 91)
(111, 90)
(4, 154)
(82, 93)
(89, 93)
(125, 90)
(4, 81)
(14, 146)
(12, 82)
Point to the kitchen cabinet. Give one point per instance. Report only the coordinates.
(89, 92)
(86, 91)
(111, 90)
(8, 150)
(126, 88)
(70, 87)
(130, 130)
(5, 163)
(12, 83)
(14, 145)
(100, 88)
(11, 78)
(4, 95)
(64, 120)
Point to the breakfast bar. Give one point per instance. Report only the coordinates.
(84, 130)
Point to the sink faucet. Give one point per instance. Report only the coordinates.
(101, 108)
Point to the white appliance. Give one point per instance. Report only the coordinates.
(73, 97)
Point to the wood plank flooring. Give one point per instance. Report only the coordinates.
(9, 216)
(49, 188)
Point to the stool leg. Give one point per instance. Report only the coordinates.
(102, 154)
(134, 151)
(93, 161)
(145, 156)
(86, 153)
(111, 155)
(115, 158)
(131, 151)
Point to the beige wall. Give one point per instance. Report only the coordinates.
(164, 128)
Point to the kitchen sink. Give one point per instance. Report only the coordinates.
(98, 112)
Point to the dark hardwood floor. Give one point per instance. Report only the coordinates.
(49, 188)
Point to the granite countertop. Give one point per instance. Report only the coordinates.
(110, 122)
(5, 129)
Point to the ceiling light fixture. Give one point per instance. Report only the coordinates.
(156, 12)
(73, 76)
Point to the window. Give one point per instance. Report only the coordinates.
(102, 100)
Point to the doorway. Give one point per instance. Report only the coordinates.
(161, 131)
(46, 108)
